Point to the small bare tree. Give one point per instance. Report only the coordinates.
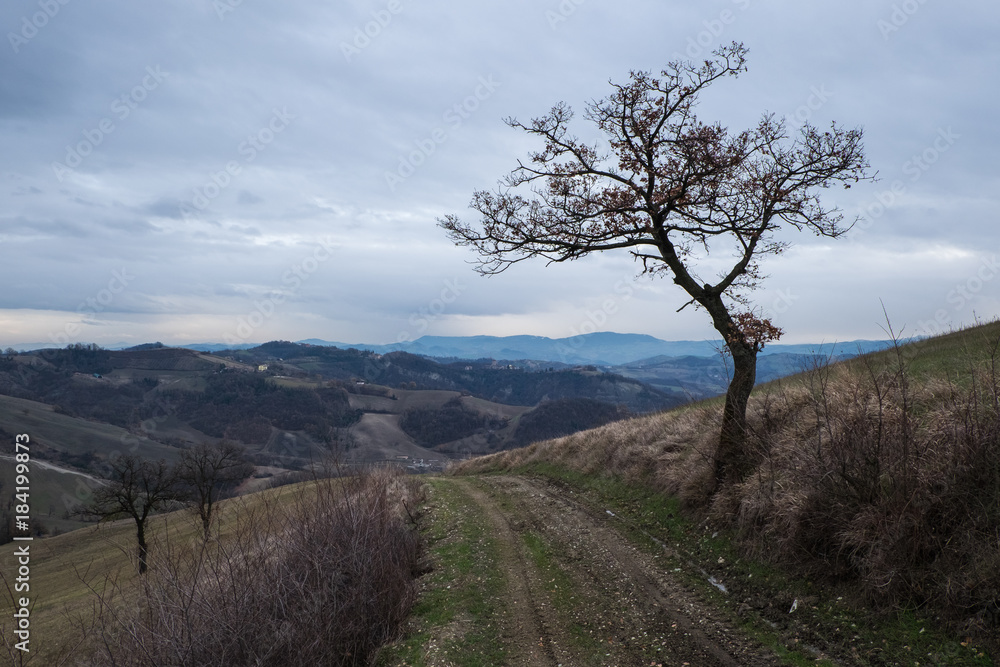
(671, 190)
(206, 472)
(136, 489)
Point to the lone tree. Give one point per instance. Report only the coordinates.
(206, 472)
(136, 489)
(671, 190)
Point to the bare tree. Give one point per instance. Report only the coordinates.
(136, 489)
(208, 471)
(671, 190)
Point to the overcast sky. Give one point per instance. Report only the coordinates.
(235, 170)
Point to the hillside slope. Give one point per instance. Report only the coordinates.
(289, 405)
(501, 383)
(339, 585)
(881, 474)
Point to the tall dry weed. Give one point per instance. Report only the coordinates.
(885, 479)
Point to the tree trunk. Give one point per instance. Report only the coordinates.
(732, 458)
(140, 533)
(206, 519)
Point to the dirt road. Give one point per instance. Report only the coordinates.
(575, 591)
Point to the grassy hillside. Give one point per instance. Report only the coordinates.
(57, 432)
(67, 445)
(87, 596)
(881, 474)
(701, 377)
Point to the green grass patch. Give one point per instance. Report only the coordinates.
(561, 592)
(460, 603)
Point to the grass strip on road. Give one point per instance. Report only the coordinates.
(457, 616)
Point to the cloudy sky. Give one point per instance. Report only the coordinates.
(235, 170)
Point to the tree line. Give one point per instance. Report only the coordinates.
(138, 488)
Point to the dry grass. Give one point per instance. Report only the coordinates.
(318, 575)
(864, 472)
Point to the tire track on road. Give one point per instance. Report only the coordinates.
(531, 639)
(641, 610)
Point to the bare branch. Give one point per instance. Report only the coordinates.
(670, 189)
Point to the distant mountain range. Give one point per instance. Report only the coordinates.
(599, 349)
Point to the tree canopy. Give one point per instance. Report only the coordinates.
(205, 472)
(671, 190)
(136, 489)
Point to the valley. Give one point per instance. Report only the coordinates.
(289, 406)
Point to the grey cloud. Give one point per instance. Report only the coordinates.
(248, 198)
(356, 118)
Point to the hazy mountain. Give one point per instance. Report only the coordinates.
(602, 349)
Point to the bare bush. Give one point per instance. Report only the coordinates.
(324, 579)
(897, 486)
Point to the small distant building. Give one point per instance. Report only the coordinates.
(262, 368)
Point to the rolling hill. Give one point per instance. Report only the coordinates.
(289, 404)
